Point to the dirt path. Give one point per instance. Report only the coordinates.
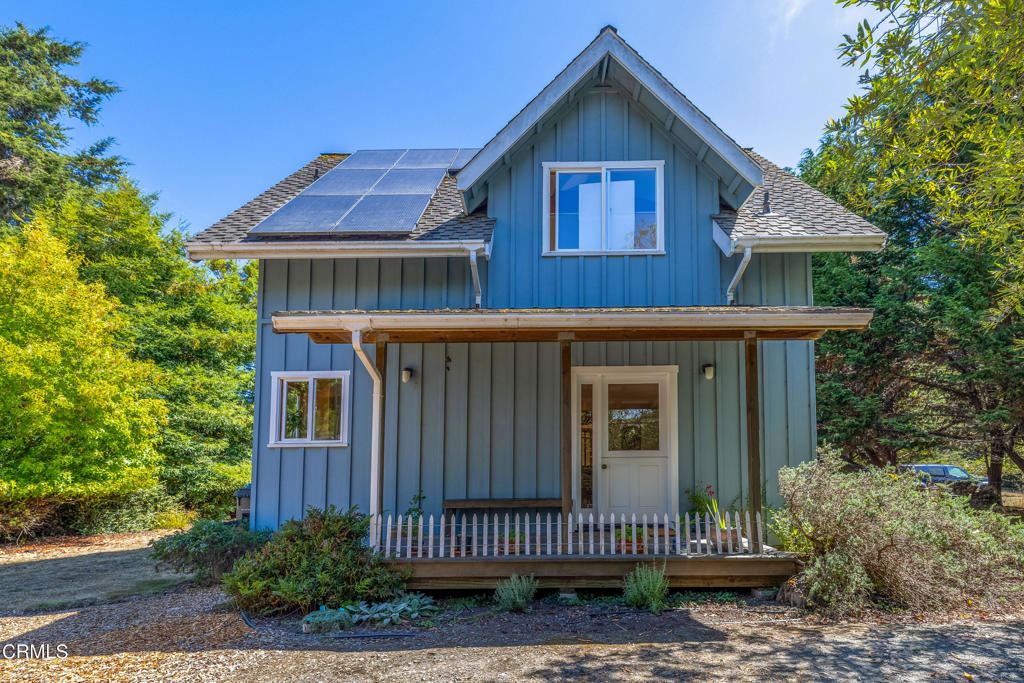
(190, 635)
(62, 571)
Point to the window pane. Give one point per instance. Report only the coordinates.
(296, 410)
(633, 417)
(578, 211)
(632, 208)
(587, 446)
(327, 410)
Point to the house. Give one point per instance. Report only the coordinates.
(604, 307)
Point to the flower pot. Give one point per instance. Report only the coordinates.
(637, 547)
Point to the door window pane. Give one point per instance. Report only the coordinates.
(578, 210)
(296, 410)
(327, 410)
(587, 446)
(633, 423)
(632, 209)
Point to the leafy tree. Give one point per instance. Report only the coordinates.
(73, 411)
(196, 323)
(942, 106)
(37, 97)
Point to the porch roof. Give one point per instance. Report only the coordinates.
(657, 323)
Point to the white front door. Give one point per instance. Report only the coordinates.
(624, 450)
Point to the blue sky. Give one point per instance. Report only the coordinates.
(220, 100)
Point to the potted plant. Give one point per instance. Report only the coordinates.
(625, 544)
(514, 540)
(704, 504)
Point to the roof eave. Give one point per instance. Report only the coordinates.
(608, 43)
(770, 244)
(199, 251)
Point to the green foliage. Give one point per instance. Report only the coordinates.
(646, 587)
(196, 324)
(516, 593)
(941, 105)
(38, 96)
(208, 549)
(405, 607)
(73, 410)
(837, 582)
(321, 560)
(920, 549)
(693, 598)
(108, 514)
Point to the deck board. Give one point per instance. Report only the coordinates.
(600, 571)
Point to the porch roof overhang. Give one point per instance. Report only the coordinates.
(662, 323)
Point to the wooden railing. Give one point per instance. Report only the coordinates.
(482, 535)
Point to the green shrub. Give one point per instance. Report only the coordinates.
(404, 607)
(111, 514)
(835, 581)
(321, 560)
(646, 587)
(919, 549)
(516, 593)
(208, 549)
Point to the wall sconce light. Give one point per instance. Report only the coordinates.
(708, 371)
(406, 375)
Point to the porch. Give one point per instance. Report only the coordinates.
(475, 551)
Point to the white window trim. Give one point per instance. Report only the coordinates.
(277, 380)
(601, 167)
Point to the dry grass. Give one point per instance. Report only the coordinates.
(61, 572)
(1013, 499)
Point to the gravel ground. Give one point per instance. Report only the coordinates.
(190, 635)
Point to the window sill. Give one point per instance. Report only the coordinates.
(625, 252)
(308, 444)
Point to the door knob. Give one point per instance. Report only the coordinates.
(603, 466)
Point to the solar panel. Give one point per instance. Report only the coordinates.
(463, 157)
(427, 158)
(357, 181)
(385, 213)
(306, 214)
(409, 181)
(373, 158)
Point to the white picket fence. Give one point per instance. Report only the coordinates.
(547, 535)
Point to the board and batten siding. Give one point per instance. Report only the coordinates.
(482, 420)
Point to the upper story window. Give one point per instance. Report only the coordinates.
(604, 207)
(309, 408)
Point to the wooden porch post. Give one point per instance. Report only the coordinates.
(566, 348)
(381, 361)
(753, 421)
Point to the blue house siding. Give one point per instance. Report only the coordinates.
(606, 127)
(481, 420)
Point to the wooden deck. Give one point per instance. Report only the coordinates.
(600, 571)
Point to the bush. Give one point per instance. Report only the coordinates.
(208, 549)
(646, 587)
(837, 582)
(516, 593)
(919, 549)
(87, 515)
(319, 561)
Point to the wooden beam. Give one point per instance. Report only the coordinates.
(567, 421)
(753, 421)
(381, 360)
(599, 571)
(553, 334)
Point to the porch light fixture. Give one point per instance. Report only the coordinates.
(406, 375)
(708, 371)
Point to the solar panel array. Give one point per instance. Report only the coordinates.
(372, 191)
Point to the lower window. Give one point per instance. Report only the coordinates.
(309, 408)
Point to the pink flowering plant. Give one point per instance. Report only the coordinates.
(703, 502)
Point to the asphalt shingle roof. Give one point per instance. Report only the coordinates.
(441, 220)
(797, 210)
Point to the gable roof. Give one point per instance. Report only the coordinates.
(442, 227)
(608, 47)
(801, 219)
